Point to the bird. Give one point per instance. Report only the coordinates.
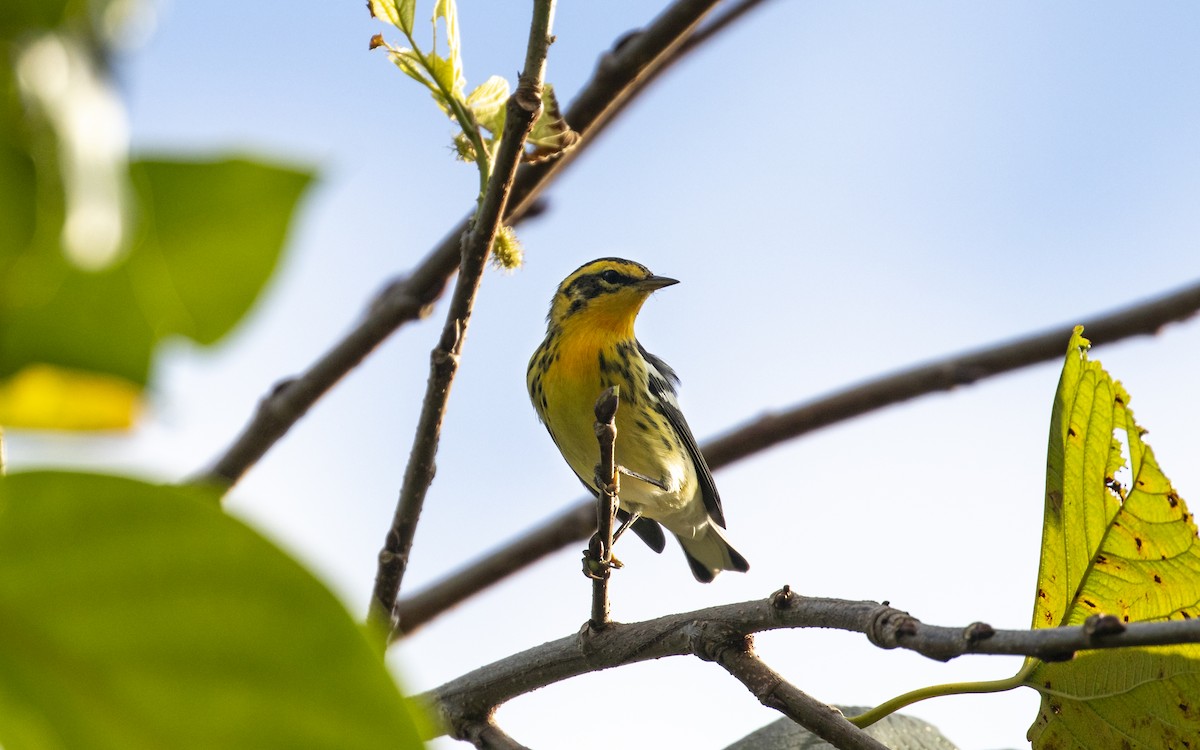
(589, 347)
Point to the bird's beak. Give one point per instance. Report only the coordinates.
(652, 283)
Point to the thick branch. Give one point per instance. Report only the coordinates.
(524, 106)
(477, 694)
(409, 297)
(769, 430)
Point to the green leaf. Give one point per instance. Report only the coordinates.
(136, 616)
(405, 8)
(398, 13)
(22, 16)
(209, 236)
(488, 103)
(1136, 557)
(413, 65)
(444, 74)
(449, 70)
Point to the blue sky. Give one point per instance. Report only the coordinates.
(842, 188)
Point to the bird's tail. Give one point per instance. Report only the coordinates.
(709, 552)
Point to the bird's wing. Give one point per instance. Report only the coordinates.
(663, 381)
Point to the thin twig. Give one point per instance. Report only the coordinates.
(574, 524)
(598, 558)
(524, 106)
(479, 692)
(1142, 318)
(486, 735)
(700, 35)
(409, 297)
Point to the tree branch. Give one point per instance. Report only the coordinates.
(486, 735)
(574, 524)
(524, 106)
(1143, 318)
(409, 297)
(475, 695)
(598, 560)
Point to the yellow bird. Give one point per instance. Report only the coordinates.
(590, 346)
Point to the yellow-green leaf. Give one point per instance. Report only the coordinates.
(442, 72)
(1131, 552)
(398, 13)
(487, 103)
(450, 72)
(45, 397)
(411, 62)
(551, 134)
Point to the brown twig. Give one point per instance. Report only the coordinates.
(486, 735)
(409, 297)
(598, 559)
(1142, 318)
(524, 106)
(478, 693)
(769, 430)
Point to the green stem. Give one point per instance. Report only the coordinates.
(868, 718)
(466, 122)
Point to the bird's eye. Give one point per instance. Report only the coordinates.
(612, 277)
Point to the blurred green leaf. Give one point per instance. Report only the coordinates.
(44, 397)
(21, 16)
(138, 616)
(208, 237)
(1134, 555)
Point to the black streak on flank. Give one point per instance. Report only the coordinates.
(603, 363)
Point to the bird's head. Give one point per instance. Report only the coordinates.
(605, 294)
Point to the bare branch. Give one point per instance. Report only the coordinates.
(598, 559)
(698, 37)
(769, 430)
(409, 297)
(1143, 318)
(524, 106)
(486, 735)
(475, 695)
